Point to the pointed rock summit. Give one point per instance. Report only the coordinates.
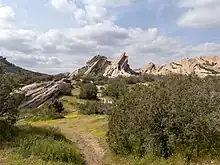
(100, 65)
(119, 67)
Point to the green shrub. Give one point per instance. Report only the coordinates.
(114, 87)
(88, 91)
(7, 131)
(46, 112)
(56, 106)
(9, 102)
(46, 143)
(94, 107)
(179, 114)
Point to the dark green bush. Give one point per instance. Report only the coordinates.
(7, 131)
(114, 87)
(9, 101)
(179, 114)
(88, 91)
(56, 106)
(46, 112)
(94, 107)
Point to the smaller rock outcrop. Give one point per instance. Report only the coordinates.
(148, 68)
(200, 66)
(38, 93)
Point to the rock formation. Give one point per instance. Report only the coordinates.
(119, 67)
(148, 68)
(201, 66)
(38, 93)
(101, 65)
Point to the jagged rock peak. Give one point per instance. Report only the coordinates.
(97, 65)
(95, 59)
(102, 66)
(119, 67)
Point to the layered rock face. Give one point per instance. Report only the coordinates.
(97, 64)
(119, 67)
(201, 66)
(101, 65)
(38, 93)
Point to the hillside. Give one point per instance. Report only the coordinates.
(10, 68)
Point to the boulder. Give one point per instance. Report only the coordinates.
(38, 93)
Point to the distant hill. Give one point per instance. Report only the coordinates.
(10, 68)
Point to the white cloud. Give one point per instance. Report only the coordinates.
(89, 11)
(6, 16)
(200, 13)
(62, 50)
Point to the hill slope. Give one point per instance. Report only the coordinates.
(10, 68)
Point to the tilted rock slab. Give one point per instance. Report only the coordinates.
(38, 93)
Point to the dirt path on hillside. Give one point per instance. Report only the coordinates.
(90, 148)
(87, 144)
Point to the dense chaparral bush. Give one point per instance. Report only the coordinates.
(94, 107)
(179, 114)
(88, 91)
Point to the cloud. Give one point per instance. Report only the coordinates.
(6, 16)
(62, 50)
(90, 11)
(200, 13)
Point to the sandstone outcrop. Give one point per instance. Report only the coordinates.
(201, 66)
(119, 67)
(102, 66)
(38, 93)
(148, 68)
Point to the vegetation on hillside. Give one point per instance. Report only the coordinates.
(176, 115)
(88, 91)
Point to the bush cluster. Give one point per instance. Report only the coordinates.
(94, 107)
(9, 100)
(51, 111)
(176, 115)
(88, 91)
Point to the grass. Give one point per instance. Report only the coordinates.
(40, 145)
(70, 103)
(40, 114)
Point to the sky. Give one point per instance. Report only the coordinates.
(57, 36)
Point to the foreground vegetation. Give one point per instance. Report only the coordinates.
(176, 116)
(46, 144)
(170, 120)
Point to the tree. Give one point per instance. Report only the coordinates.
(9, 99)
(88, 91)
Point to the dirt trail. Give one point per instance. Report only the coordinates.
(89, 147)
(87, 144)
